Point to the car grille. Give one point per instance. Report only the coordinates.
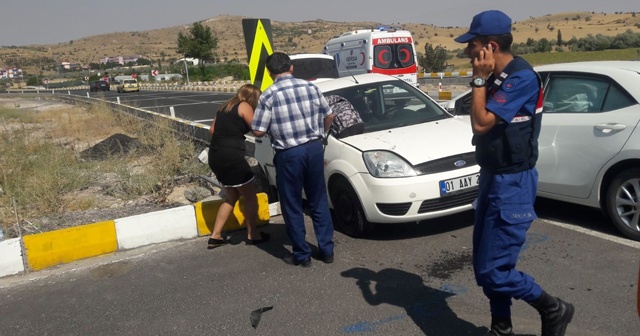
(446, 164)
(452, 200)
(394, 209)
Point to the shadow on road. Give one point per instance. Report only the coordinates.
(427, 307)
(578, 215)
(401, 231)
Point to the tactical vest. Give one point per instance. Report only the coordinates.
(510, 147)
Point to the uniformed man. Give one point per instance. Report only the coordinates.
(505, 117)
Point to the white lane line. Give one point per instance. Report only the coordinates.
(204, 121)
(627, 242)
(184, 104)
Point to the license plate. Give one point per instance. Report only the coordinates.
(459, 183)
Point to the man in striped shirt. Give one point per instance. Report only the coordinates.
(296, 116)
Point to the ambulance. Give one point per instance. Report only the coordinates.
(381, 50)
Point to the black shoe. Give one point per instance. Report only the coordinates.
(495, 332)
(555, 323)
(291, 261)
(264, 237)
(555, 314)
(327, 259)
(213, 243)
(500, 326)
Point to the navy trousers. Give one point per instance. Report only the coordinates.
(299, 168)
(504, 213)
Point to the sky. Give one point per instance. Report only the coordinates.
(26, 22)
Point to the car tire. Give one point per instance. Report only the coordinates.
(623, 202)
(348, 214)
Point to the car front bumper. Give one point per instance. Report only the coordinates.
(401, 200)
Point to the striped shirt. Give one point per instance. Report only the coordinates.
(292, 112)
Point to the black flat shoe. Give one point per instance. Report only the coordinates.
(213, 243)
(292, 261)
(264, 237)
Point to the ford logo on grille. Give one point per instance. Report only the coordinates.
(460, 163)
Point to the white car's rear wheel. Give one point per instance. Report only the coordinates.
(623, 202)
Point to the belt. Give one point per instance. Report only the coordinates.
(306, 143)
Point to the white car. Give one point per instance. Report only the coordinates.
(589, 142)
(413, 162)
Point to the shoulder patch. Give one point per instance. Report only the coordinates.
(500, 98)
(510, 84)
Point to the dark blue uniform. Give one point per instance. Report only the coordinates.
(508, 183)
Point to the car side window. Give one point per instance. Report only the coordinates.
(616, 99)
(582, 94)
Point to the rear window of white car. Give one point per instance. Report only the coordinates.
(130, 81)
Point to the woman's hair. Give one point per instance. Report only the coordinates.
(247, 93)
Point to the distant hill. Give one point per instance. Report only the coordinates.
(296, 37)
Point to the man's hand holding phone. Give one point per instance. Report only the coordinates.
(484, 63)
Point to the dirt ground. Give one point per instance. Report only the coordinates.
(186, 189)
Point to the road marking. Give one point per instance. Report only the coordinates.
(623, 241)
(184, 104)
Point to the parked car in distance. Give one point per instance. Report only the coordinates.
(589, 142)
(99, 85)
(413, 161)
(314, 67)
(128, 85)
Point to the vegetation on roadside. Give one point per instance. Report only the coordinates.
(43, 171)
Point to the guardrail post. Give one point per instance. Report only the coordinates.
(172, 111)
(118, 99)
(69, 93)
(53, 91)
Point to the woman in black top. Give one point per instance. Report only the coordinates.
(226, 160)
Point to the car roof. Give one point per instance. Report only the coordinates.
(592, 66)
(349, 81)
(302, 56)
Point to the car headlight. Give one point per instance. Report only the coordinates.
(387, 164)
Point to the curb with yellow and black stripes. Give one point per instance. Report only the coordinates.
(39, 251)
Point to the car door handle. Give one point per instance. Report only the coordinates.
(258, 140)
(608, 127)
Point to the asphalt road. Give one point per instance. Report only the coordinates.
(189, 105)
(407, 279)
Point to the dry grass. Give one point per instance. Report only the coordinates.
(43, 173)
(308, 36)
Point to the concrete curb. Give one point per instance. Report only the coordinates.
(48, 249)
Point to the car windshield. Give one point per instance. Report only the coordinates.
(130, 81)
(391, 104)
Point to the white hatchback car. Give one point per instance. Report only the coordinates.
(589, 142)
(413, 162)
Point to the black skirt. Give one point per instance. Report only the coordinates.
(230, 166)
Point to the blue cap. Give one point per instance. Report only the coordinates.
(491, 22)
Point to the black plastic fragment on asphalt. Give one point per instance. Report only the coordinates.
(257, 314)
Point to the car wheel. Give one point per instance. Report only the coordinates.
(623, 202)
(348, 213)
(263, 185)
